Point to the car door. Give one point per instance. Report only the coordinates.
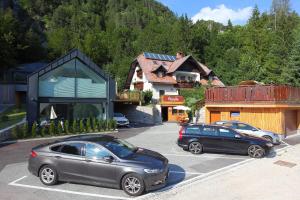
(232, 141)
(99, 170)
(70, 161)
(210, 138)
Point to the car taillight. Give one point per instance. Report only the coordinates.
(33, 154)
(181, 132)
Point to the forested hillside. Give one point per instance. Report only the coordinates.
(114, 32)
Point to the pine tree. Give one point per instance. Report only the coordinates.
(81, 126)
(33, 130)
(74, 126)
(52, 128)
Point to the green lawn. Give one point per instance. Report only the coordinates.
(14, 115)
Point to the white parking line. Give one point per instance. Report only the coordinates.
(204, 156)
(14, 183)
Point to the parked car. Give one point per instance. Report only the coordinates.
(251, 130)
(210, 138)
(121, 119)
(99, 160)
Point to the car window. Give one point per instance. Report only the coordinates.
(226, 133)
(192, 130)
(230, 125)
(95, 152)
(72, 148)
(56, 147)
(244, 127)
(212, 131)
(118, 115)
(120, 148)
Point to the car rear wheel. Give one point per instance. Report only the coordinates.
(48, 175)
(133, 185)
(195, 148)
(256, 151)
(268, 138)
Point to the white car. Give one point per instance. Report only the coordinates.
(121, 119)
(251, 130)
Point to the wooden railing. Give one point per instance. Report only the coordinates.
(129, 96)
(257, 93)
(185, 84)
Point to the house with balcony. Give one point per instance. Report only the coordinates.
(164, 75)
(270, 107)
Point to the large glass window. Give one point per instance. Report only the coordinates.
(72, 79)
(89, 84)
(59, 82)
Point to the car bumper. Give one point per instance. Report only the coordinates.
(33, 168)
(156, 181)
(122, 123)
(184, 146)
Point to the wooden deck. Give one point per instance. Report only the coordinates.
(263, 94)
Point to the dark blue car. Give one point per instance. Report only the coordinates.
(209, 138)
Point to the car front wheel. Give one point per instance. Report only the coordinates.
(195, 148)
(48, 175)
(133, 185)
(256, 151)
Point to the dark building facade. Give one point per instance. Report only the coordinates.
(74, 86)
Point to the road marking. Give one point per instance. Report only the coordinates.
(285, 143)
(14, 183)
(204, 156)
(183, 172)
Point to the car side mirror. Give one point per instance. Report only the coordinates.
(108, 159)
(237, 136)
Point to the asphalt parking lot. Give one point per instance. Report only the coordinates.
(17, 183)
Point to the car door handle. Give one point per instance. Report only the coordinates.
(88, 160)
(58, 157)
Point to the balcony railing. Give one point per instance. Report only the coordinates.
(129, 96)
(257, 93)
(186, 84)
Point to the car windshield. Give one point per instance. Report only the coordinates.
(120, 148)
(118, 115)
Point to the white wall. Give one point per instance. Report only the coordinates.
(169, 90)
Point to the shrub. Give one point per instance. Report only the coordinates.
(101, 125)
(147, 96)
(25, 130)
(52, 128)
(33, 130)
(94, 123)
(74, 126)
(88, 125)
(114, 124)
(59, 128)
(81, 126)
(14, 132)
(66, 127)
(4, 118)
(44, 131)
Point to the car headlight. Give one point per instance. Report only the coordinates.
(153, 171)
(269, 144)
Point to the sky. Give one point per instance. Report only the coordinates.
(238, 11)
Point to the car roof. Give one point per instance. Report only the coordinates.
(97, 138)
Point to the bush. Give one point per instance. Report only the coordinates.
(74, 127)
(88, 125)
(33, 130)
(52, 128)
(147, 95)
(59, 128)
(14, 132)
(113, 124)
(81, 126)
(44, 131)
(25, 130)
(66, 127)
(94, 123)
(101, 125)
(4, 118)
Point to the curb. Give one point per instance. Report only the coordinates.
(55, 137)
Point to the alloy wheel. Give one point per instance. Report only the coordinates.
(195, 147)
(132, 185)
(255, 151)
(47, 175)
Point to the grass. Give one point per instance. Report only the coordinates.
(14, 115)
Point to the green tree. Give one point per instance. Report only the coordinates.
(66, 127)
(33, 130)
(52, 130)
(81, 126)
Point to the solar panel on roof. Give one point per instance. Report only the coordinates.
(156, 56)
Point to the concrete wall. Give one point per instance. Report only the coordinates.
(7, 94)
(140, 114)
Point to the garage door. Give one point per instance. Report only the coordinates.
(215, 116)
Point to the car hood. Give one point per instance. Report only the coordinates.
(148, 157)
(256, 138)
(120, 119)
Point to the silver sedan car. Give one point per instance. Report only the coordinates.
(251, 130)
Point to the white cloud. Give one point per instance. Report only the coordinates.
(222, 14)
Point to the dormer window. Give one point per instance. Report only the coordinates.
(161, 74)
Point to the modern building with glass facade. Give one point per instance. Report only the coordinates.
(74, 86)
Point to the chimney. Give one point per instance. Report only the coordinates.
(179, 55)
